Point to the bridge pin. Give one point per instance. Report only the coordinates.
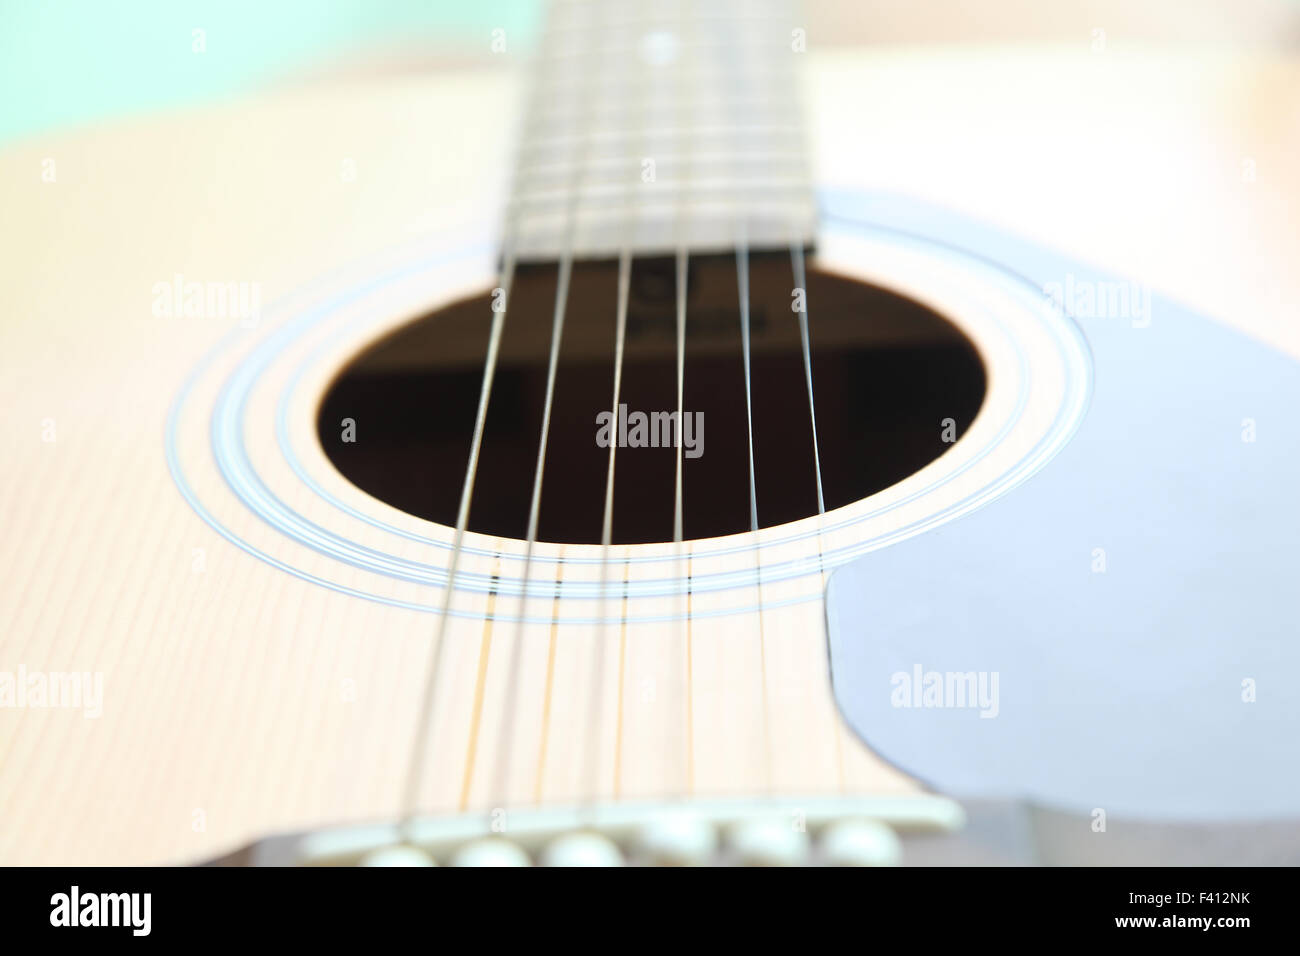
(769, 843)
(677, 839)
(491, 851)
(582, 849)
(861, 843)
(398, 855)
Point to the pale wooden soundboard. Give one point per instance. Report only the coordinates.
(225, 714)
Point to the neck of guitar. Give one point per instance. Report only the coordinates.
(659, 130)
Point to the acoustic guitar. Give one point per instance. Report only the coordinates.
(697, 445)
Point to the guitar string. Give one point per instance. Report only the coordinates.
(800, 283)
(424, 729)
(678, 503)
(689, 163)
(607, 533)
(501, 785)
(742, 283)
(631, 209)
(505, 751)
(684, 573)
(424, 715)
(606, 537)
(428, 695)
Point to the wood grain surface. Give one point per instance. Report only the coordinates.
(238, 699)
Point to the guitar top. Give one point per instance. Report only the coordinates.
(612, 453)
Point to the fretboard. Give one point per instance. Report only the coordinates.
(658, 127)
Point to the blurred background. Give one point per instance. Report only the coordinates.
(74, 62)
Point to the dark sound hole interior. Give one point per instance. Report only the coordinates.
(886, 373)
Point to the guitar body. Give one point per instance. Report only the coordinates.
(263, 625)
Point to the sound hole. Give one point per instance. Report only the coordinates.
(888, 375)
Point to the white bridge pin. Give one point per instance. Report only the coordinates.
(861, 843)
(677, 839)
(399, 855)
(491, 851)
(769, 843)
(582, 849)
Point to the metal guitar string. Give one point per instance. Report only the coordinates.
(607, 527)
(800, 282)
(796, 263)
(428, 696)
(631, 210)
(742, 284)
(681, 385)
(678, 505)
(424, 716)
(742, 287)
(682, 277)
(501, 786)
(577, 174)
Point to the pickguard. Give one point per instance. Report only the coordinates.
(1118, 633)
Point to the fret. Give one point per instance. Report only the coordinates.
(704, 78)
(689, 133)
(707, 226)
(604, 75)
(607, 170)
(761, 44)
(732, 21)
(780, 101)
(663, 129)
(613, 200)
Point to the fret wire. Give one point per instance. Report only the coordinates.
(597, 191)
(783, 119)
(757, 156)
(776, 77)
(655, 218)
(655, 227)
(655, 212)
(770, 197)
(706, 160)
(696, 17)
(742, 65)
(787, 129)
(717, 215)
(598, 196)
(658, 239)
(636, 46)
(713, 178)
(723, 103)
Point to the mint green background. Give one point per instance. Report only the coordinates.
(71, 62)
